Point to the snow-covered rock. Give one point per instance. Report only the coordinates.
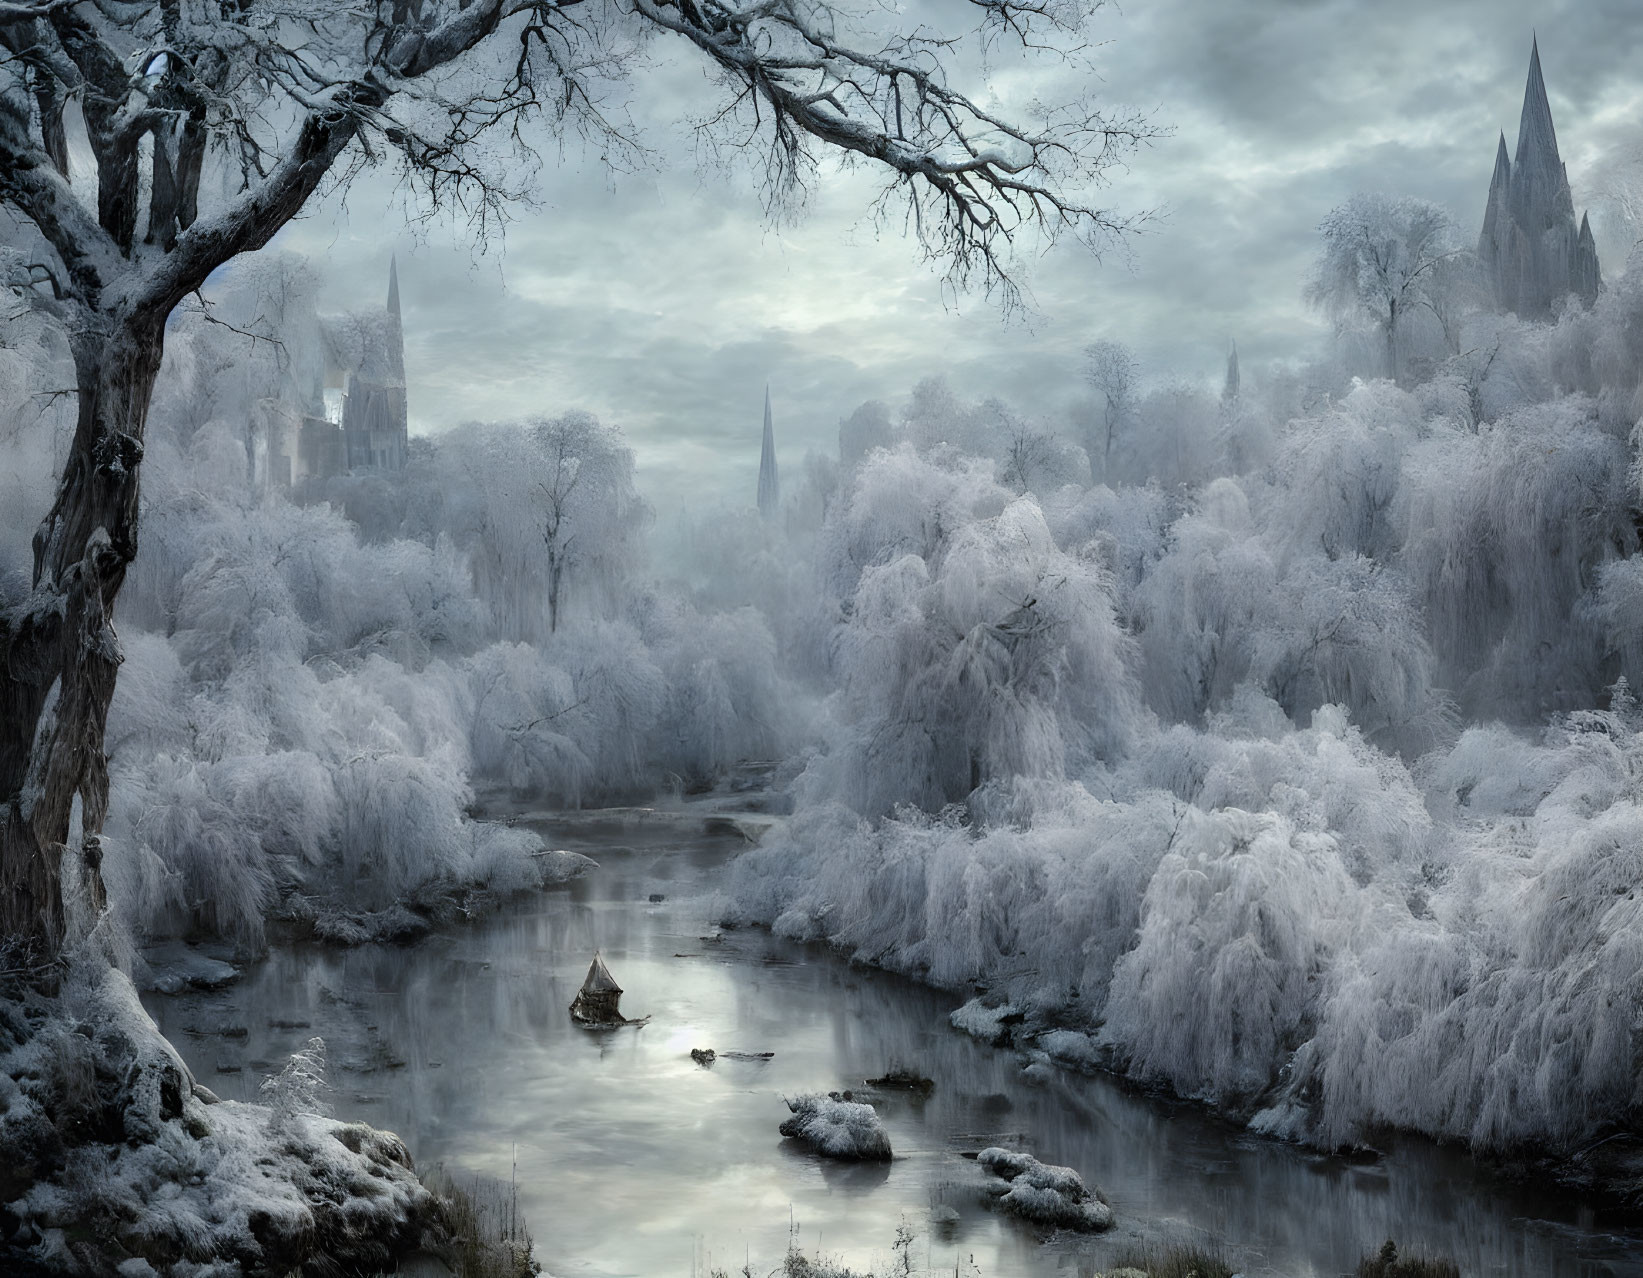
(109, 1152)
(838, 1128)
(175, 967)
(989, 1024)
(1046, 1195)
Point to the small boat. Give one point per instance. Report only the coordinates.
(597, 1002)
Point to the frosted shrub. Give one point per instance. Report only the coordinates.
(1325, 779)
(1346, 632)
(1504, 533)
(1173, 441)
(1040, 913)
(1237, 922)
(901, 504)
(1200, 607)
(299, 1088)
(304, 709)
(1128, 527)
(1226, 605)
(1339, 473)
(837, 1128)
(726, 698)
(973, 646)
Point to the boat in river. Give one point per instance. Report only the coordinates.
(597, 1003)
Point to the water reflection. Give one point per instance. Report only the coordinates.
(633, 1159)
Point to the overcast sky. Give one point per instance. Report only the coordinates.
(663, 301)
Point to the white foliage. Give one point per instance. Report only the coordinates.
(299, 1088)
(1504, 531)
(1046, 1195)
(1237, 923)
(972, 646)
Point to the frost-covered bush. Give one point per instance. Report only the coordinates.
(971, 646)
(1298, 930)
(1238, 920)
(1224, 606)
(285, 776)
(1046, 1195)
(1506, 533)
(299, 1088)
(1174, 440)
(1501, 1012)
(837, 1128)
(1339, 474)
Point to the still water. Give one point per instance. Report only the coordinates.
(632, 1159)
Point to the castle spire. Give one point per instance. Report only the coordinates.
(1230, 389)
(393, 286)
(1497, 212)
(1535, 135)
(1530, 245)
(1587, 277)
(396, 330)
(769, 488)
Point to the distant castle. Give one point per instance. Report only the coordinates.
(344, 409)
(1532, 253)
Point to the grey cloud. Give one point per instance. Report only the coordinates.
(663, 301)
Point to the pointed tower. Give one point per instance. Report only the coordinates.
(1587, 277)
(1229, 391)
(1530, 246)
(396, 329)
(1497, 214)
(375, 424)
(770, 493)
(1536, 137)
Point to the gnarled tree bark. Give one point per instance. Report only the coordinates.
(59, 652)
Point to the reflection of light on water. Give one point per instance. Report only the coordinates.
(683, 1039)
(633, 1159)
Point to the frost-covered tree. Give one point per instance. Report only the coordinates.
(970, 647)
(1381, 260)
(210, 125)
(589, 509)
(1111, 371)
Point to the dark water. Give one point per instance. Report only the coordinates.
(632, 1159)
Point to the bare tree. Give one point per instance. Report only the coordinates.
(1026, 453)
(270, 97)
(1380, 261)
(1111, 370)
(589, 507)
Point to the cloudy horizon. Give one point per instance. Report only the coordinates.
(643, 295)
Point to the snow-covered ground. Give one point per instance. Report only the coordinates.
(113, 1156)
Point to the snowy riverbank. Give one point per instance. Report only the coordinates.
(1301, 932)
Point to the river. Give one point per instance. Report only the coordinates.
(632, 1159)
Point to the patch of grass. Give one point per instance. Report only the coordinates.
(1386, 1263)
(486, 1238)
(1176, 1262)
(799, 1265)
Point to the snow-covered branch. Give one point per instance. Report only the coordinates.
(973, 180)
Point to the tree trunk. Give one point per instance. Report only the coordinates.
(58, 650)
(1392, 343)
